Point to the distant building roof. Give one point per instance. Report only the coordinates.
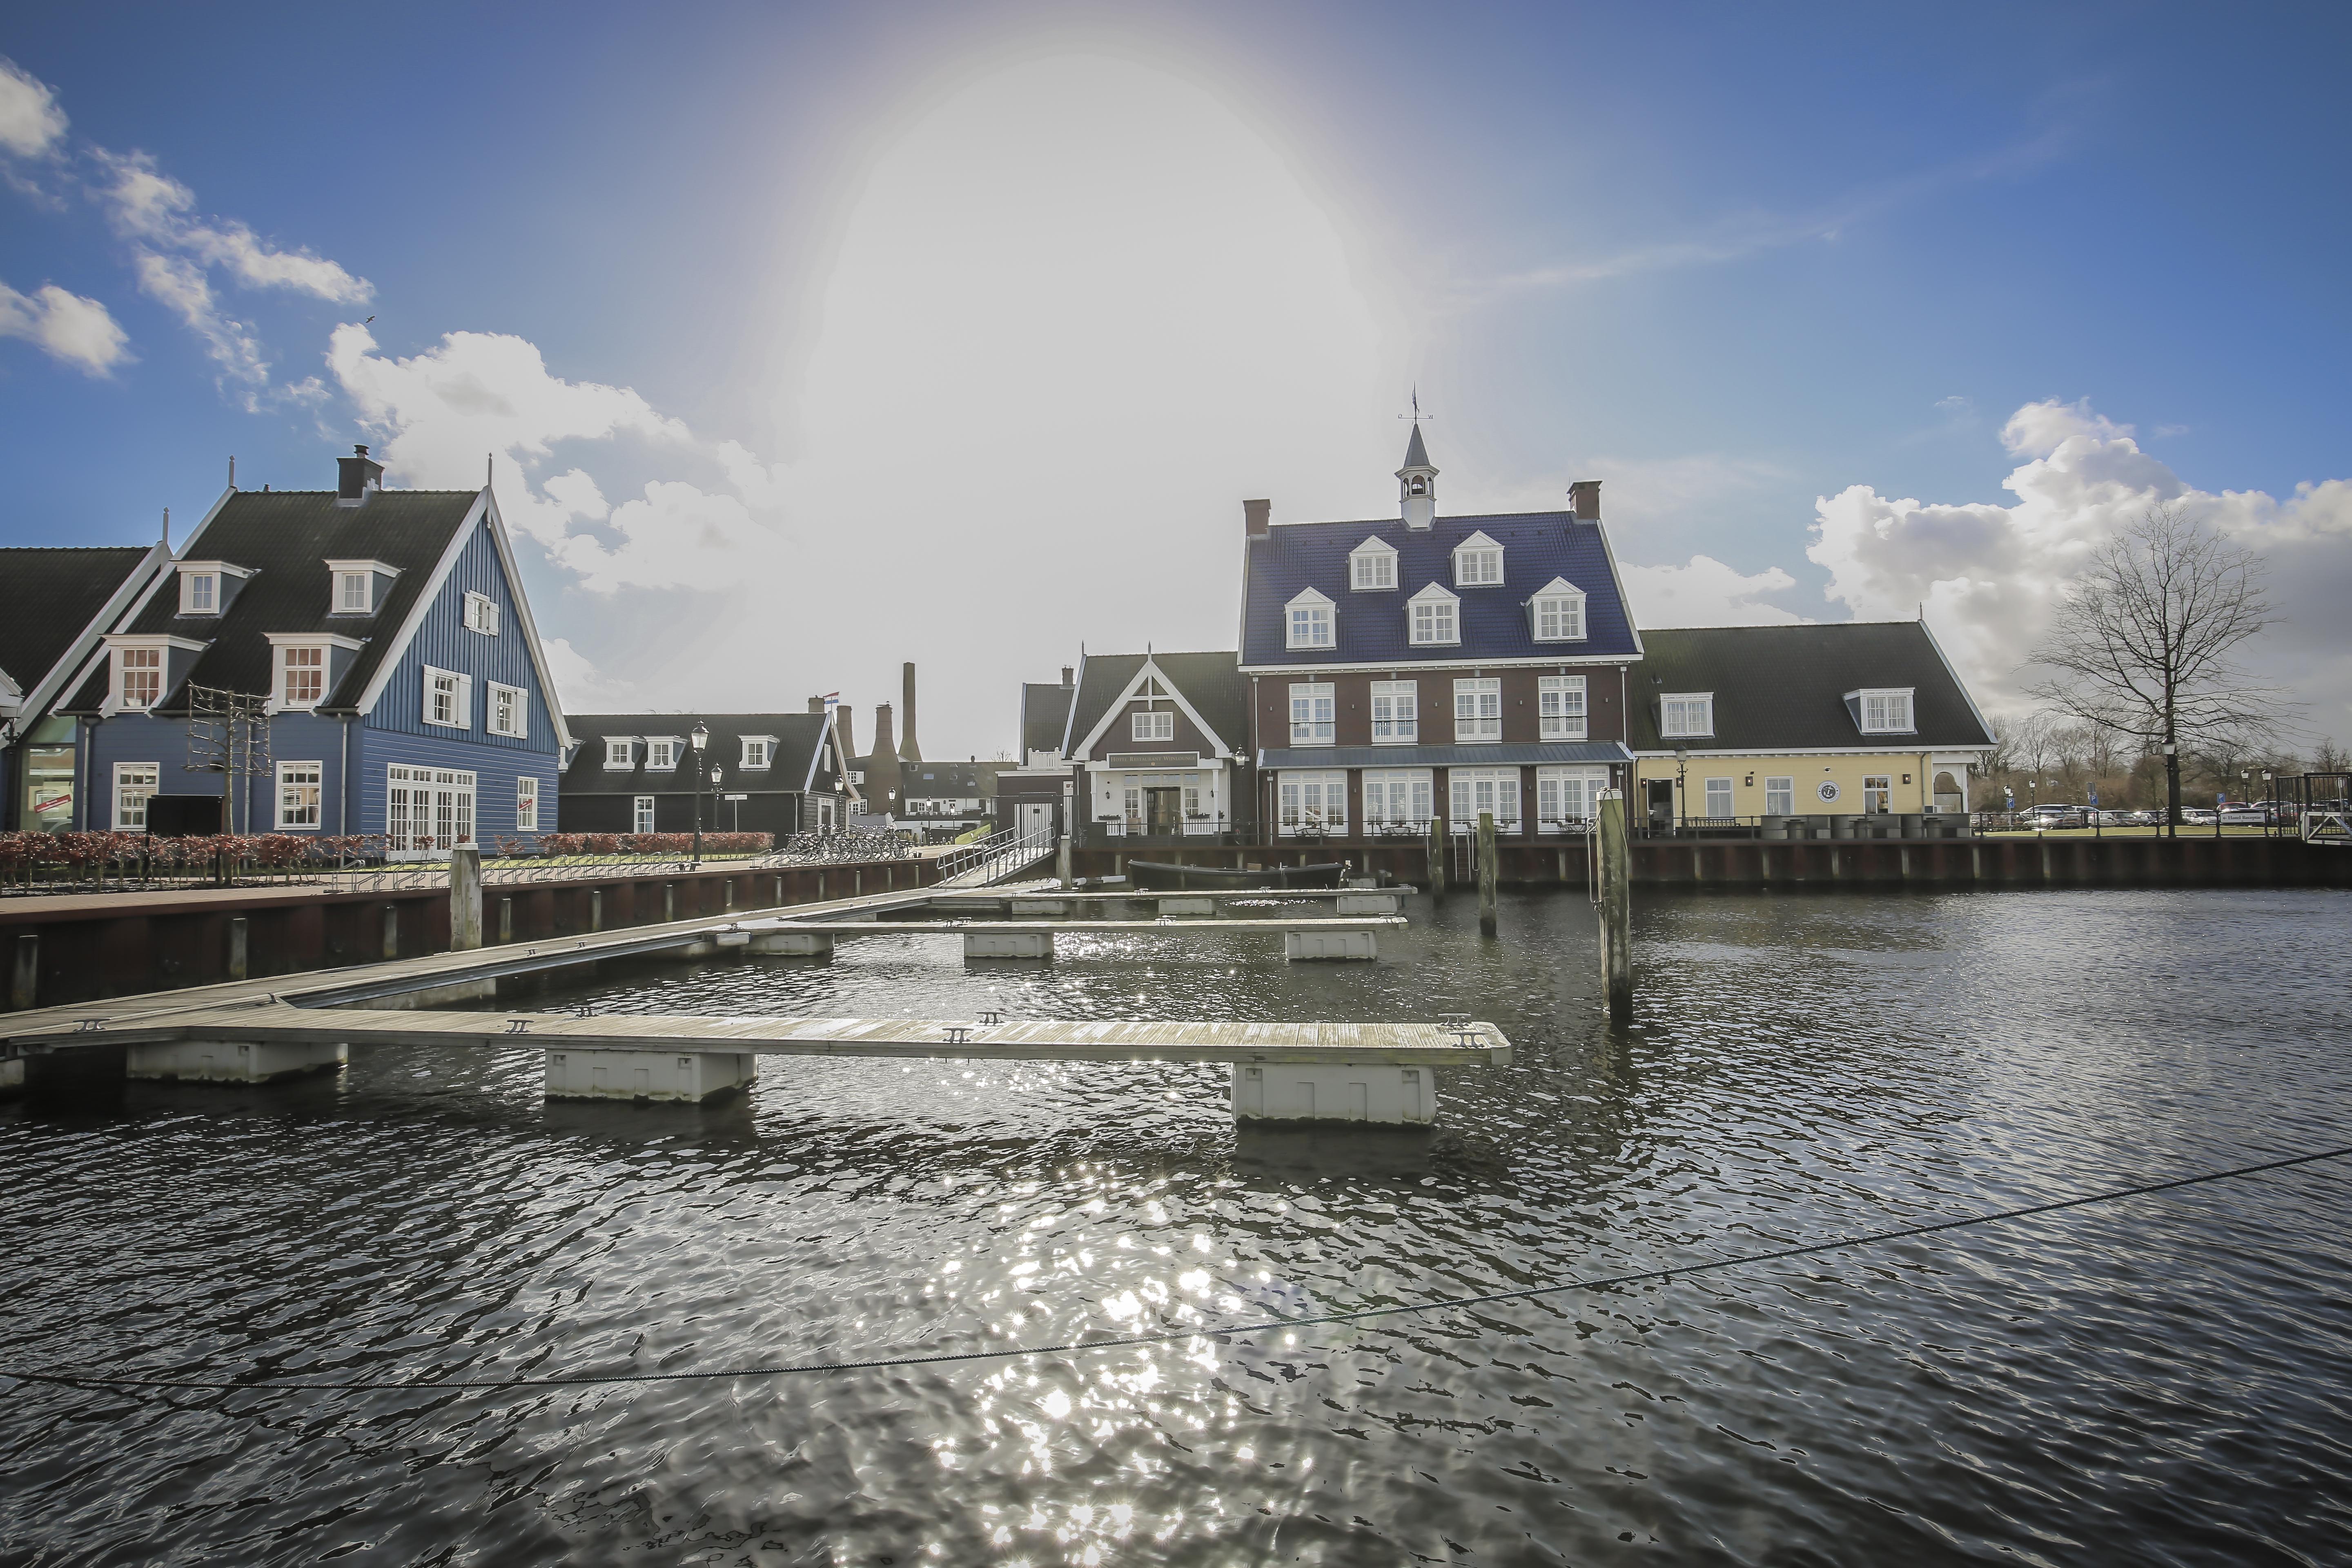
(1372, 626)
(790, 765)
(1211, 683)
(947, 781)
(52, 596)
(1045, 714)
(1785, 688)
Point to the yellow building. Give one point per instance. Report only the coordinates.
(1730, 724)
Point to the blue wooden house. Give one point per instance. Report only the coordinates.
(378, 642)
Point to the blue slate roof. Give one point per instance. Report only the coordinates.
(1371, 627)
(1453, 756)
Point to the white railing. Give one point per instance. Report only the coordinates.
(995, 857)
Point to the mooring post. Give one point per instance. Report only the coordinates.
(1485, 873)
(465, 902)
(237, 947)
(1437, 859)
(1616, 909)
(24, 973)
(506, 921)
(595, 909)
(1062, 863)
(391, 931)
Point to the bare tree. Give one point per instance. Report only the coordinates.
(2330, 758)
(2143, 642)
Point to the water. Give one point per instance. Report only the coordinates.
(2161, 1380)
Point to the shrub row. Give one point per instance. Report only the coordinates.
(21, 852)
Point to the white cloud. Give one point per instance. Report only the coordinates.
(580, 686)
(31, 123)
(151, 207)
(1988, 574)
(1705, 593)
(180, 286)
(67, 327)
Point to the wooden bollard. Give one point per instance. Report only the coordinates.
(237, 948)
(391, 931)
(1062, 863)
(1485, 873)
(1616, 908)
(1437, 859)
(24, 973)
(464, 900)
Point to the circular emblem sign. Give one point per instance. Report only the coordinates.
(1828, 789)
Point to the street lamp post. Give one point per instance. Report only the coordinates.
(1682, 785)
(701, 739)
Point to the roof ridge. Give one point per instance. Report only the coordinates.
(1398, 522)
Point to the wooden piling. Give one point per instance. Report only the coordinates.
(24, 973)
(465, 902)
(1437, 859)
(237, 947)
(1616, 908)
(1062, 863)
(391, 931)
(1487, 873)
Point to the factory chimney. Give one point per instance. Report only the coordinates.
(909, 751)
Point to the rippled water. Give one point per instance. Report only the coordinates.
(2161, 1380)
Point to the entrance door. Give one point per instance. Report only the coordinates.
(1163, 811)
(1036, 817)
(1662, 804)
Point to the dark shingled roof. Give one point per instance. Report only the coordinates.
(1211, 683)
(286, 538)
(1045, 712)
(53, 594)
(947, 781)
(797, 738)
(1783, 688)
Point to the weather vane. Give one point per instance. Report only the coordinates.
(1416, 416)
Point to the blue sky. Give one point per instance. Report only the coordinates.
(814, 339)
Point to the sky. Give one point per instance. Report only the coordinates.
(801, 340)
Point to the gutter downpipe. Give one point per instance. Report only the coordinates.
(343, 795)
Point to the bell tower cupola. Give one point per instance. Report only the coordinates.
(1417, 484)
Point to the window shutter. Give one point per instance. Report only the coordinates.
(426, 715)
(465, 715)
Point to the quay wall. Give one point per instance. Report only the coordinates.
(1873, 864)
(119, 944)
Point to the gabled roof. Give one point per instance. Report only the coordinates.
(1044, 716)
(1783, 688)
(53, 602)
(285, 538)
(1210, 682)
(1372, 629)
(792, 767)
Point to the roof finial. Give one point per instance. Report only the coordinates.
(167, 522)
(489, 468)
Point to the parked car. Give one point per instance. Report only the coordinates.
(2051, 814)
(2197, 817)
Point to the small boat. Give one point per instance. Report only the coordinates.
(1155, 875)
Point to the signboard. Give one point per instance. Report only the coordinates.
(739, 797)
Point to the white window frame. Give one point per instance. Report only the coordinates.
(1373, 567)
(302, 812)
(1397, 796)
(1314, 713)
(1880, 786)
(427, 811)
(1781, 795)
(481, 614)
(461, 694)
(1562, 601)
(1478, 562)
(1312, 801)
(1684, 728)
(1309, 621)
(1560, 708)
(347, 581)
(526, 804)
(759, 751)
(1441, 626)
(1473, 790)
(619, 752)
(662, 754)
(1396, 712)
(641, 814)
(522, 709)
(1903, 723)
(122, 670)
(1568, 797)
(1719, 792)
(1152, 725)
(285, 672)
(130, 798)
(1477, 710)
(200, 584)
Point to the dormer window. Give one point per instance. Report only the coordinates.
(620, 751)
(1436, 618)
(1371, 566)
(199, 593)
(758, 750)
(139, 676)
(356, 585)
(301, 674)
(661, 752)
(1885, 711)
(1686, 715)
(481, 614)
(1307, 621)
(1557, 611)
(1478, 563)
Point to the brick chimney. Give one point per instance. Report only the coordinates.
(1069, 675)
(1584, 501)
(908, 750)
(816, 704)
(882, 765)
(1256, 521)
(357, 477)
